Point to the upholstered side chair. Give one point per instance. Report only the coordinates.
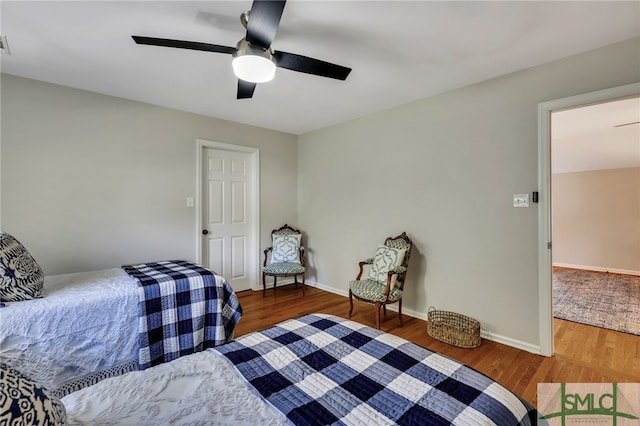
(385, 282)
(287, 257)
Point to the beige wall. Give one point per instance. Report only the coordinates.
(92, 181)
(596, 219)
(445, 169)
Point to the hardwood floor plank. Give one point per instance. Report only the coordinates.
(584, 354)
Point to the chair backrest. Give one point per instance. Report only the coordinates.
(285, 230)
(400, 242)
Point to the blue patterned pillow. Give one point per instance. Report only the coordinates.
(21, 277)
(24, 402)
(286, 249)
(385, 260)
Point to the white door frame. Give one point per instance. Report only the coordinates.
(254, 247)
(544, 209)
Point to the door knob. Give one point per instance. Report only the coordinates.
(205, 232)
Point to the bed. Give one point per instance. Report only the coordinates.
(88, 326)
(314, 370)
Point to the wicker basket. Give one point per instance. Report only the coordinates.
(452, 328)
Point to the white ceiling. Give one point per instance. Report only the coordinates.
(596, 137)
(399, 51)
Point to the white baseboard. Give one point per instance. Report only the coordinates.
(518, 344)
(333, 290)
(515, 343)
(281, 282)
(596, 268)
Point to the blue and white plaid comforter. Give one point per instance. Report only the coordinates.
(321, 369)
(184, 308)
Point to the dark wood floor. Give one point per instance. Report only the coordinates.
(584, 354)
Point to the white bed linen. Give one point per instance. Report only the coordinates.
(87, 322)
(198, 389)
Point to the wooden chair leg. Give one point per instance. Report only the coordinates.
(400, 312)
(350, 303)
(264, 285)
(275, 281)
(295, 281)
(303, 278)
(384, 310)
(378, 304)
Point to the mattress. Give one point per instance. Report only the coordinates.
(84, 328)
(314, 370)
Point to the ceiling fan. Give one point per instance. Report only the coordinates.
(253, 59)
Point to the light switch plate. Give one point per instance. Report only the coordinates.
(189, 201)
(520, 200)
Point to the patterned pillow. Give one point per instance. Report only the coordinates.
(386, 259)
(21, 277)
(24, 402)
(286, 249)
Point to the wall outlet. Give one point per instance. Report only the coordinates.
(189, 201)
(520, 200)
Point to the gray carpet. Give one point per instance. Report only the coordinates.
(595, 298)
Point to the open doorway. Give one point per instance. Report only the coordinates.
(545, 111)
(595, 219)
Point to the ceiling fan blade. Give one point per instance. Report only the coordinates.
(245, 89)
(264, 19)
(300, 63)
(182, 44)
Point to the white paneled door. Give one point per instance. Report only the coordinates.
(228, 216)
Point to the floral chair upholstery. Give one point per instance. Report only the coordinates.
(385, 283)
(287, 257)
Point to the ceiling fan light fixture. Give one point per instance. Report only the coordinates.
(253, 64)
